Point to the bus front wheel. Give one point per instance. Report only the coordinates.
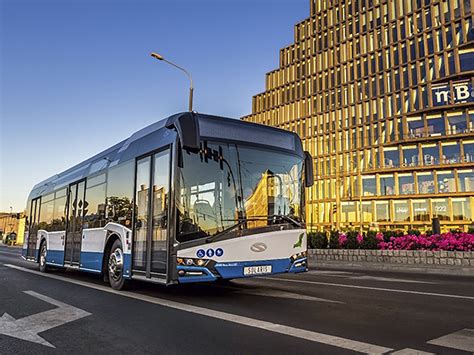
(115, 266)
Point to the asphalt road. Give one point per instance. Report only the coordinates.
(319, 312)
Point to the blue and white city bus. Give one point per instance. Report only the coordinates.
(187, 199)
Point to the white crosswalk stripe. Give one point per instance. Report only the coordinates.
(410, 351)
(461, 340)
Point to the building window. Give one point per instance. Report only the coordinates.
(430, 153)
(382, 211)
(348, 212)
(402, 211)
(387, 184)
(416, 127)
(451, 153)
(425, 183)
(406, 184)
(435, 125)
(391, 157)
(457, 123)
(410, 155)
(461, 209)
(466, 180)
(468, 151)
(421, 210)
(367, 212)
(440, 209)
(446, 181)
(466, 59)
(368, 186)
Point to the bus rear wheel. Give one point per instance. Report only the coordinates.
(42, 257)
(115, 266)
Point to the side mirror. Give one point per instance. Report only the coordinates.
(187, 126)
(308, 169)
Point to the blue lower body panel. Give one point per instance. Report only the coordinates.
(55, 257)
(91, 261)
(234, 270)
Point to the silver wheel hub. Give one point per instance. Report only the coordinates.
(116, 264)
(43, 256)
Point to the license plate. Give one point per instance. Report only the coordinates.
(257, 270)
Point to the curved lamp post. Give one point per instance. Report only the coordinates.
(160, 57)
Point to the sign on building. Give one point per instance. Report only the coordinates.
(462, 92)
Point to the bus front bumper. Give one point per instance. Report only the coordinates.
(240, 269)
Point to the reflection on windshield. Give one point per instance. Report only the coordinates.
(226, 184)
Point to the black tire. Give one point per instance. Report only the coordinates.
(42, 257)
(115, 266)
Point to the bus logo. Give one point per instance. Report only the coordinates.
(258, 247)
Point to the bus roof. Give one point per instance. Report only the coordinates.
(159, 134)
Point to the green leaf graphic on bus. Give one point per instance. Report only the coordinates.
(299, 242)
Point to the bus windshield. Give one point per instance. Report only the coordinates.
(229, 185)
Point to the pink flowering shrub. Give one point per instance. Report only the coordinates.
(342, 240)
(398, 241)
(445, 241)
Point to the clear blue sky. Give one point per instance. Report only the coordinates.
(76, 75)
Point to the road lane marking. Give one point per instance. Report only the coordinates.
(370, 288)
(331, 273)
(283, 294)
(27, 328)
(229, 317)
(353, 276)
(389, 279)
(409, 351)
(461, 340)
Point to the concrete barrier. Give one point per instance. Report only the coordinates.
(445, 262)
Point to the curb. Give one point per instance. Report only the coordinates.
(10, 246)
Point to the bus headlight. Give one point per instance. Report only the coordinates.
(191, 262)
(201, 262)
(301, 255)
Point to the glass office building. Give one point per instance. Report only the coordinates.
(382, 94)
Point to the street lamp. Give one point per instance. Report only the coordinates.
(160, 57)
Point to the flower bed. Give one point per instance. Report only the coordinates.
(392, 241)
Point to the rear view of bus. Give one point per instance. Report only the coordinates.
(240, 204)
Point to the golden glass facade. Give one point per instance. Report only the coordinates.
(382, 95)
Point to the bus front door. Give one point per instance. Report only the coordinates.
(151, 218)
(33, 230)
(75, 213)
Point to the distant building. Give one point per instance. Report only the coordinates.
(12, 222)
(382, 94)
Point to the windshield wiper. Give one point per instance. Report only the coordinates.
(227, 230)
(286, 218)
